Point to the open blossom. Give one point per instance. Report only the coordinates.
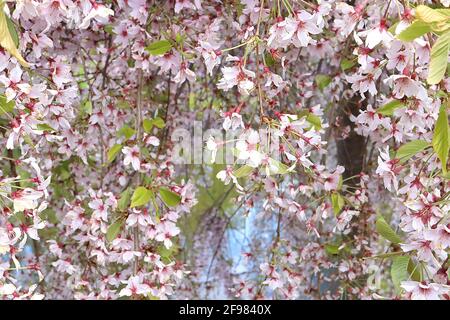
(183, 74)
(424, 291)
(300, 27)
(236, 76)
(135, 286)
(365, 82)
(226, 176)
(26, 199)
(388, 169)
(328, 120)
(131, 157)
(440, 236)
(344, 219)
(60, 72)
(13, 83)
(98, 12)
(233, 120)
(183, 4)
(377, 35)
(371, 118)
(279, 34)
(332, 180)
(166, 231)
(405, 86)
(248, 149)
(213, 146)
(211, 54)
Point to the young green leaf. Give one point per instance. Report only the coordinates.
(148, 125)
(416, 29)
(314, 120)
(277, 167)
(158, 122)
(109, 28)
(170, 198)
(347, 64)
(12, 31)
(114, 229)
(243, 171)
(86, 107)
(159, 47)
(385, 230)
(124, 200)
(6, 107)
(141, 196)
(332, 249)
(438, 59)
(441, 138)
(389, 108)
(337, 202)
(429, 15)
(44, 127)
(399, 271)
(112, 153)
(322, 81)
(411, 148)
(7, 40)
(126, 131)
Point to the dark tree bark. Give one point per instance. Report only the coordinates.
(351, 150)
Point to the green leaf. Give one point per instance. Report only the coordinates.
(446, 175)
(314, 120)
(148, 125)
(277, 167)
(347, 64)
(385, 230)
(416, 29)
(44, 127)
(411, 148)
(243, 171)
(127, 132)
(159, 47)
(114, 230)
(112, 153)
(399, 271)
(389, 108)
(270, 61)
(141, 196)
(438, 59)
(192, 99)
(159, 123)
(7, 40)
(86, 107)
(443, 11)
(109, 29)
(12, 31)
(332, 249)
(415, 271)
(393, 27)
(441, 138)
(322, 81)
(124, 200)
(83, 85)
(123, 104)
(170, 198)
(6, 107)
(337, 202)
(429, 15)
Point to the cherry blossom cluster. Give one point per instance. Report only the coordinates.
(330, 180)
